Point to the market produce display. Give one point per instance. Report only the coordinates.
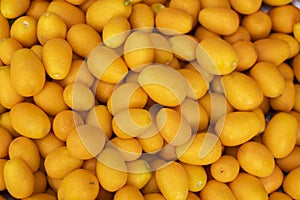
(149, 99)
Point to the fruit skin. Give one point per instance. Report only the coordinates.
(24, 114)
(128, 192)
(165, 18)
(57, 58)
(217, 56)
(256, 159)
(232, 132)
(26, 149)
(280, 134)
(246, 185)
(111, 170)
(14, 8)
(108, 9)
(220, 20)
(172, 181)
(19, 179)
(27, 72)
(291, 183)
(242, 91)
(79, 184)
(215, 190)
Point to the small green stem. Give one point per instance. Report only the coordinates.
(127, 2)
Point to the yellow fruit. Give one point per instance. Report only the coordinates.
(5, 142)
(184, 47)
(8, 46)
(284, 17)
(138, 51)
(292, 42)
(4, 32)
(246, 53)
(115, 31)
(132, 95)
(232, 132)
(37, 49)
(27, 72)
(108, 9)
(112, 69)
(172, 181)
(2, 183)
(267, 50)
(78, 72)
(50, 26)
(54, 183)
(151, 144)
(142, 17)
(26, 149)
(273, 181)
(8, 96)
(151, 186)
(38, 196)
(111, 170)
(154, 196)
(50, 98)
(76, 2)
(277, 2)
(99, 116)
(202, 33)
(220, 20)
(19, 179)
(296, 31)
(29, 120)
(37, 8)
(256, 159)
(59, 162)
(281, 131)
(162, 50)
(24, 29)
(269, 78)
(85, 142)
(13, 9)
(137, 122)
(246, 185)
(79, 184)
(246, 8)
(208, 3)
(64, 122)
(78, 96)
(258, 24)
(279, 196)
(241, 34)
(83, 39)
(296, 66)
(192, 7)
(289, 162)
(215, 105)
(197, 177)
(173, 127)
(128, 192)
(130, 149)
(202, 149)
(152, 80)
(90, 165)
(199, 120)
(5, 122)
(139, 173)
(166, 17)
(242, 91)
(71, 14)
(286, 101)
(215, 190)
(57, 58)
(40, 182)
(226, 169)
(291, 182)
(48, 144)
(217, 56)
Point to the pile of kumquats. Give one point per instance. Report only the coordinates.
(149, 99)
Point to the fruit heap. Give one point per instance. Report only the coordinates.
(149, 99)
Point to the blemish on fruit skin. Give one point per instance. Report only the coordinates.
(26, 24)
